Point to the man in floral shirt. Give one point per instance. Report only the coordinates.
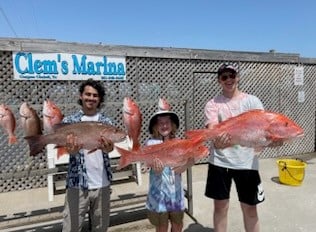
(89, 175)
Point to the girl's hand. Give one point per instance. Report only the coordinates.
(157, 165)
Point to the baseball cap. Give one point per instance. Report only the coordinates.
(227, 67)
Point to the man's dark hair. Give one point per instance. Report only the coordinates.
(94, 84)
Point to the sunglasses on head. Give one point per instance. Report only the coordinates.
(226, 76)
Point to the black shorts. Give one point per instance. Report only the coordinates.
(248, 184)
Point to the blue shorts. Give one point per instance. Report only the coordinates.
(248, 184)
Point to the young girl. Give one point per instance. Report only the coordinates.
(165, 200)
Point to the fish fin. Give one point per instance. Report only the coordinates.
(35, 143)
(91, 151)
(59, 126)
(196, 135)
(275, 138)
(192, 133)
(272, 137)
(124, 158)
(12, 139)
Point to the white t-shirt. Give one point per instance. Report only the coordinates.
(97, 176)
(221, 108)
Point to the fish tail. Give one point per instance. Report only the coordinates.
(133, 145)
(124, 158)
(35, 144)
(136, 146)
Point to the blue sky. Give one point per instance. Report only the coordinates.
(245, 25)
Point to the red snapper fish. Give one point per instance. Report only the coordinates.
(88, 136)
(163, 104)
(255, 128)
(8, 123)
(29, 120)
(52, 115)
(132, 119)
(172, 153)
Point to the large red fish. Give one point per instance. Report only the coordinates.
(7, 121)
(255, 128)
(29, 120)
(88, 136)
(173, 153)
(52, 115)
(132, 119)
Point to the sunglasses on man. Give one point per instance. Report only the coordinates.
(226, 76)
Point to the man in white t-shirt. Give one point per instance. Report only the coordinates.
(89, 175)
(229, 163)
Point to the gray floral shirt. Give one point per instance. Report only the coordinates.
(77, 172)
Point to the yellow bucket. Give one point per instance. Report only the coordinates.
(291, 171)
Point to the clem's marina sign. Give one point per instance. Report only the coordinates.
(63, 66)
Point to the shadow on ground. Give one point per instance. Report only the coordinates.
(196, 227)
(118, 217)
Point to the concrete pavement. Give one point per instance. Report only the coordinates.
(286, 208)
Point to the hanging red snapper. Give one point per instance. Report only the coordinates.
(255, 128)
(132, 119)
(52, 115)
(8, 123)
(29, 120)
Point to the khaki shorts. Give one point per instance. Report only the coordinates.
(158, 219)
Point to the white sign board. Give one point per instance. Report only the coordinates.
(299, 76)
(64, 66)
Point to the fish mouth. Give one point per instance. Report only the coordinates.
(300, 135)
(23, 115)
(126, 110)
(48, 116)
(121, 139)
(296, 136)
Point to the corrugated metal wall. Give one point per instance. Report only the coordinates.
(185, 77)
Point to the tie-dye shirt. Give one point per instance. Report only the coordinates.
(165, 189)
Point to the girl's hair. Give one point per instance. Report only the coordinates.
(94, 84)
(157, 135)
